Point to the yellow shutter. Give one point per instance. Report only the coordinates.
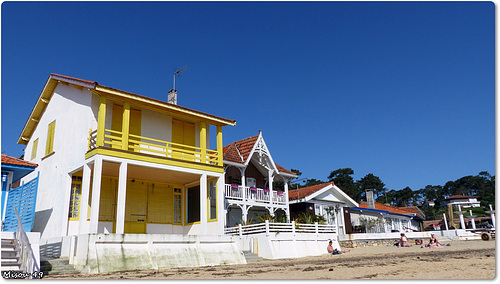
(160, 203)
(107, 203)
(189, 134)
(117, 118)
(50, 138)
(34, 149)
(177, 131)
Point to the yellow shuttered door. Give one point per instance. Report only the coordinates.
(116, 125)
(136, 207)
(183, 133)
(160, 204)
(107, 203)
(135, 127)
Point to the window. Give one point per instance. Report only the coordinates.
(212, 200)
(34, 149)
(193, 204)
(177, 206)
(50, 138)
(74, 201)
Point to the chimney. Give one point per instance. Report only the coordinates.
(369, 199)
(172, 97)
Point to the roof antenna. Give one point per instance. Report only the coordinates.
(172, 94)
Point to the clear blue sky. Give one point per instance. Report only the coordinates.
(403, 90)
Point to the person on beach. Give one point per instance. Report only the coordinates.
(332, 250)
(433, 242)
(403, 241)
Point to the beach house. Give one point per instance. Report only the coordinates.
(250, 174)
(114, 164)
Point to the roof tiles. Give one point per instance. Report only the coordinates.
(8, 160)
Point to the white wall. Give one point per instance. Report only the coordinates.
(73, 118)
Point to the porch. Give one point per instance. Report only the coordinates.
(247, 194)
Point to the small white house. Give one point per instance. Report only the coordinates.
(462, 200)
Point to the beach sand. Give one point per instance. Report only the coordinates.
(461, 260)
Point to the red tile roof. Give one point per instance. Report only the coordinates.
(306, 191)
(459, 197)
(239, 151)
(8, 160)
(413, 209)
(389, 208)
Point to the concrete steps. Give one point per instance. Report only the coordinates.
(10, 255)
(57, 266)
(251, 257)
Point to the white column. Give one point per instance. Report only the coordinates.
(203, 204)
(120, 203)
(243, 183)
(270, 173)
(461, 216)
(221, 216)
(287, 202)
(445, 221)
(96, 195)
(472, 220)
(492, 214)
(84, 200)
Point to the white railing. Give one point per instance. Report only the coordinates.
(27, 257)
(233, 191)
(268, 228)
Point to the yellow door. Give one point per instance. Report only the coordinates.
(136, 207)
(183, 133)
(116, 125)
(135, 127)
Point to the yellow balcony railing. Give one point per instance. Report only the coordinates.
(144, 145)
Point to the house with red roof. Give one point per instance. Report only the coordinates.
(462, 200)
(114, 164)
(384, 218)
(326, 200)
(250, 173)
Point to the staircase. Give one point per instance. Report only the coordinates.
(57, 266)
(11, 259)
(251, 257)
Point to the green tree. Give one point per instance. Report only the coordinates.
(344, 180)
(371, 181)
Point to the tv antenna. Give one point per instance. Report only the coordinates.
(176, 73)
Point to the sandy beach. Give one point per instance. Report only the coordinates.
(460, 260)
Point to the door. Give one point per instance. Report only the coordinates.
(134, 126)
(183, 133)
(136, 207)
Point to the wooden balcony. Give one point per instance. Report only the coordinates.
(135, 144)
(254, 195)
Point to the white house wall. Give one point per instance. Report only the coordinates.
(73, 117)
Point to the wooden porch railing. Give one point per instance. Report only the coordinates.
(156, 147)
(292, 227)
(233, 191)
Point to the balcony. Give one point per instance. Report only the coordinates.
(254, 195)
(136, 144)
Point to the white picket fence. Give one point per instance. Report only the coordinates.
(269, 228)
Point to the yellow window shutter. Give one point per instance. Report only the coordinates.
(34, 149)
(50, 138)
(117, 118)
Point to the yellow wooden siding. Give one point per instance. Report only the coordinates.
(50, 138)
(34, 149)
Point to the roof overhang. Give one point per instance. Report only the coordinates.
(409, 215)
(94, 87)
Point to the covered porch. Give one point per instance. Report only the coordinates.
(121, 196)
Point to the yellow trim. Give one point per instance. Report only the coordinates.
(101, 119)
(219, 144)
(148, 158)
(203, 141)
(125, 125)
(164, 106)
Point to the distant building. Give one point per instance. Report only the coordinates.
(462, 200)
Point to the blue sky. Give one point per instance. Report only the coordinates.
(403, 90)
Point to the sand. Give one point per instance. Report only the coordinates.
(461, 260)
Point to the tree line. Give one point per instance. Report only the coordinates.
(481, 185)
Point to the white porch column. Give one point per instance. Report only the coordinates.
(221, 216)
(445, 221)
(120, 202)
(492, 214)
(472, 222)
(287, 202)
(96, 195)
(271, 178)
(203, 204)
(84, 201)
(243, 183)
(461, 216)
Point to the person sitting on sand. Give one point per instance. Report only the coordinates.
(332, 250)
(433, 242)
(403, 241)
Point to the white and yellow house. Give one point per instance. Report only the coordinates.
(114, 162)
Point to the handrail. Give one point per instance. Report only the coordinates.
(156, 147)
(254, 194)
(28, 264)
(268, 227)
